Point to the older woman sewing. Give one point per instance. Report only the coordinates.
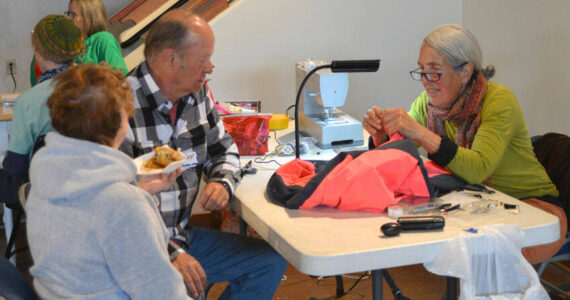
(473, 127)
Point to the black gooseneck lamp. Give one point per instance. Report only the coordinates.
(336, 66)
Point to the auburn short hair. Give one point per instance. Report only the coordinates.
(87, 102)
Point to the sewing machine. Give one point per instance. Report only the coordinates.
(318, 113)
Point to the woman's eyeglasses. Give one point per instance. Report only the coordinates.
(431, 76)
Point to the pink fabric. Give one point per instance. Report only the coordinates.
(394, 137)
(371, 182)
(296, 172)
(434, 169)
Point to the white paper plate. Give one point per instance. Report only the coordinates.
(168, 169)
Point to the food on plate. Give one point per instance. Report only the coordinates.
(163, 156)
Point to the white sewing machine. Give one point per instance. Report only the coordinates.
(318, 113)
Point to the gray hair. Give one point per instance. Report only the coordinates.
(168, 34)
(458, 45)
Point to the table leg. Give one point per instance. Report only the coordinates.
(339, 286)
(242, 227)
(452, 284)
(377, 284)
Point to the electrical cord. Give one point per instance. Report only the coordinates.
(287, 111)
(272, 153)
(275, 137)
(263, 161)
(348, 291)
(12, 74)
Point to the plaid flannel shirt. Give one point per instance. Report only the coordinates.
(198, 129)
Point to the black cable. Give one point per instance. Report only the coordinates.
(287, 111)
(13, 79)
(345, 293)
(262, 161)
(353, 286)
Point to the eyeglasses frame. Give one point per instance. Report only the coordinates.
(427, 74)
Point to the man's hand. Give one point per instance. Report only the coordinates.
(214, 196)
(192, 273)
(158, 182)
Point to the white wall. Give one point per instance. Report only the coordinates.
(17, 20)
(528, 42)
(259, 41)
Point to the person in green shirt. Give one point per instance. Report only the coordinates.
(90, 16)
(472, 127)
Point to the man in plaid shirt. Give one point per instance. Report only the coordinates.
(172, 107)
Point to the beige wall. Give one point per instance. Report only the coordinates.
(528, 41)
(259, 41)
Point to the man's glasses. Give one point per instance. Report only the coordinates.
(431, 76)
(69, 14)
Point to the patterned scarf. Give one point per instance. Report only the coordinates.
(465, 113)
(51, 73)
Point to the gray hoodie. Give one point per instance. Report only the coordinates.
(92, 234)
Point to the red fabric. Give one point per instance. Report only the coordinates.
(373, 181)
(434, 169)
(296, 172)
(172, 113)
(395, 137)
(37, 71)
(250, 133)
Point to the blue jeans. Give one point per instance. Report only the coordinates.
(252, 268)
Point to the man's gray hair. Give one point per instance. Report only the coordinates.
(458, 45)
(167, 34)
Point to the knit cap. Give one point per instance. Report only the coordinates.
(57, 39)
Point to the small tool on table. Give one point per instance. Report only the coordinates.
(248, 169)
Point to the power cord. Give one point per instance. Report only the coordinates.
(275, 151)
(287, 112)
(364, 275)
(11, 69)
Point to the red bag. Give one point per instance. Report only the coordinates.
(250, 132)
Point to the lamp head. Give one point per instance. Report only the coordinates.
(346, 66)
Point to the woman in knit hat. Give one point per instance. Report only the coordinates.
(90, 16)
(56, 41)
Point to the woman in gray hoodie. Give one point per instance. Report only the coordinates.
(86, 219)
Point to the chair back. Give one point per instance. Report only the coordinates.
(553, 152)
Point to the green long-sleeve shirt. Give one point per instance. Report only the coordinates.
(501, 150)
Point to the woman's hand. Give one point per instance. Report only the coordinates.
(398, 120)
(373, 124)
(158, 182)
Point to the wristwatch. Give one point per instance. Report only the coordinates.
(227, 186)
